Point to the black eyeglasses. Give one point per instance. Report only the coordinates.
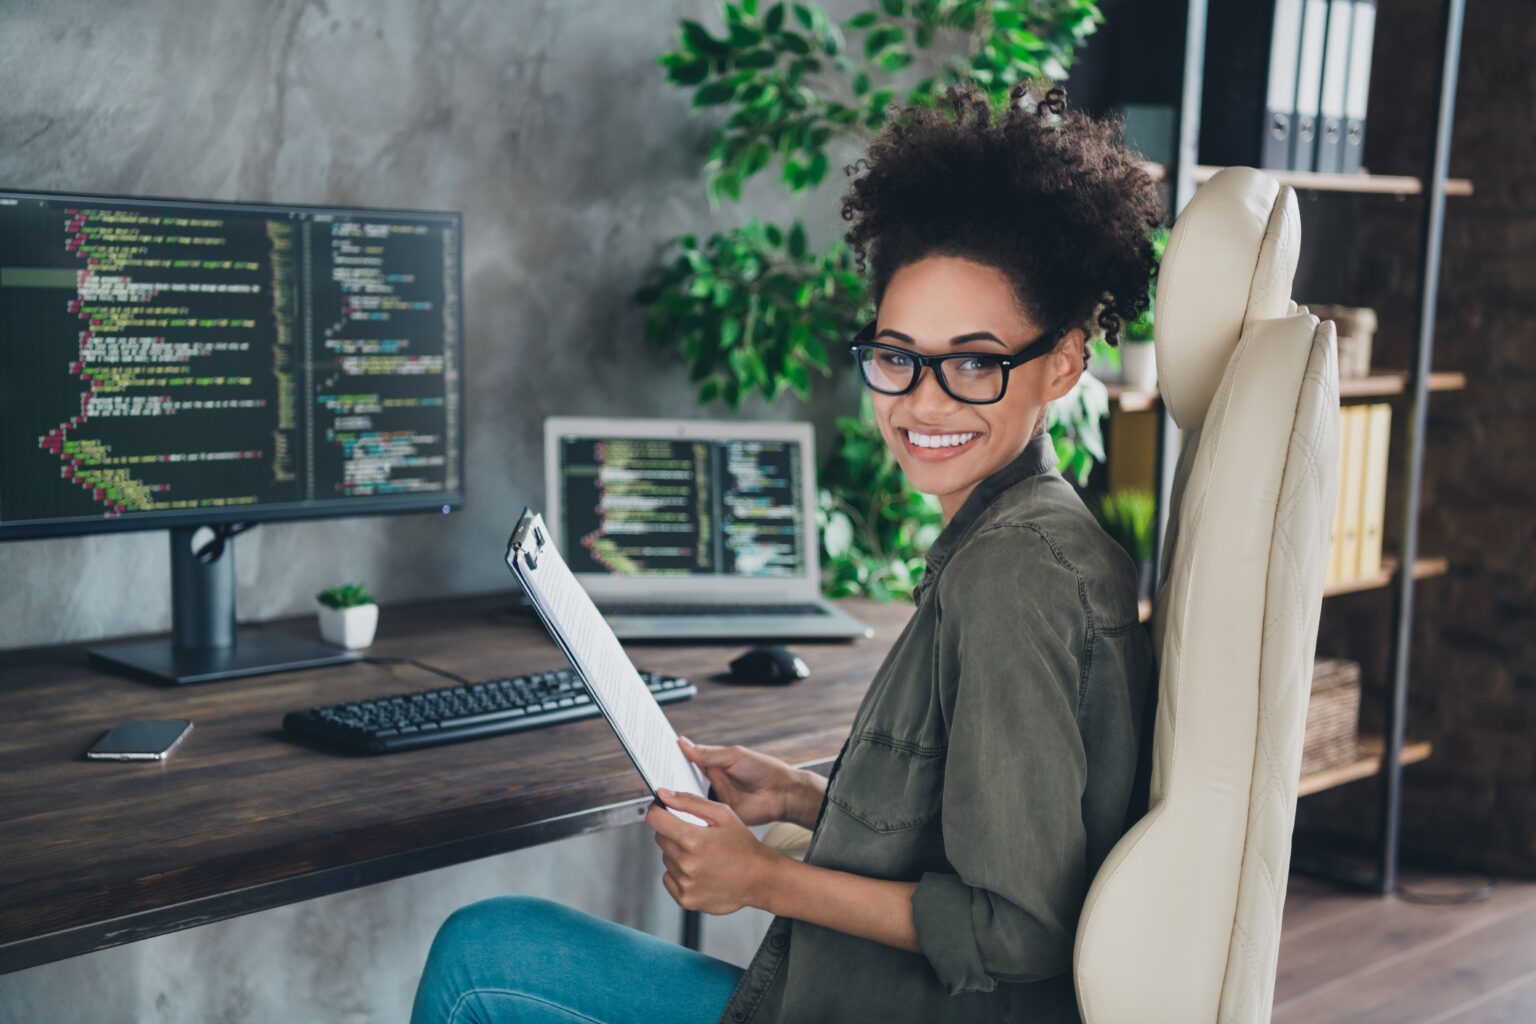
(979, 378)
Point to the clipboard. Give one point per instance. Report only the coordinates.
(612, 680)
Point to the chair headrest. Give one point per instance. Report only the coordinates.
(1229, 261)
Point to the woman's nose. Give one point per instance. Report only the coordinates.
(930, 394)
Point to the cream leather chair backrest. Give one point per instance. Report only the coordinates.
(1182, 921)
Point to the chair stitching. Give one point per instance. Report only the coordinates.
(1264, 720)
(1284, 235)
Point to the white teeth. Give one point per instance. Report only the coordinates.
(937, 440)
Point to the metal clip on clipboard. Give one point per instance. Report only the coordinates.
(525, 525)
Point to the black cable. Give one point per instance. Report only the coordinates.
(222, 532)
(421, 665)
(1448, 898)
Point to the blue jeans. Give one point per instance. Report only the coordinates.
(535, 961)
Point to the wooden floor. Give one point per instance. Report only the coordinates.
(1370, 959)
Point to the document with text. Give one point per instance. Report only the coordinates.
(612, 679)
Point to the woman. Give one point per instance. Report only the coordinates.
(990, 766)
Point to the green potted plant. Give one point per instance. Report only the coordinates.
(1129, 516)
(1138, 355)
(1104, 360)
(758, 307)
(348, 615)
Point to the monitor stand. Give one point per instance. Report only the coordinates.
(205, 645)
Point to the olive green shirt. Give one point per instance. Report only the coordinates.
(991, 761)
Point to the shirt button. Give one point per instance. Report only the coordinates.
(776, 941)
(739, 1015)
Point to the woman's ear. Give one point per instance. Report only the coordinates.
(1066, 364)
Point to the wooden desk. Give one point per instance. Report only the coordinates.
(243, 818)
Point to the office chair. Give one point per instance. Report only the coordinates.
(1182, 921)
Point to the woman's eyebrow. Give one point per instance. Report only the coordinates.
(957, 340)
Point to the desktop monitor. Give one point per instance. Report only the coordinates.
(205, 366)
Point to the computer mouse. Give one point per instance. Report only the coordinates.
(769, 663)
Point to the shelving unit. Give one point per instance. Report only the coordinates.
(1383, 756)
(1423, 569)
(1363, 182)
(1381, 384)
(1368, 764)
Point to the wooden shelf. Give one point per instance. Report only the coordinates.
(1395, 382)
(1372, 184)
(1379, 384)
(1129, 399)
(1423, 568)
(1369, 764)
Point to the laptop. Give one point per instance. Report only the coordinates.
(692, 529)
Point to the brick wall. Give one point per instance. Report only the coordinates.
(1472, 682)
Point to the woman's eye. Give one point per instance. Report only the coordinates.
(894, 359)
(975, 364)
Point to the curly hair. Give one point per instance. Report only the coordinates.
(1050, 198)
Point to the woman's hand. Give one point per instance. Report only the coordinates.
(716, 868)
(721, 867)
(757, 787)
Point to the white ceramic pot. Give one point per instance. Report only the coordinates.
(1138, 362)
(351, 628)
(1107, 374)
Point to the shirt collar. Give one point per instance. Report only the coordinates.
(1038, 456)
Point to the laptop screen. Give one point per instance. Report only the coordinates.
(647, 507)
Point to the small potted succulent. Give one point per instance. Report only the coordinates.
(1129, 516)
(348, 616)
(1138, 355)
(1104, 361)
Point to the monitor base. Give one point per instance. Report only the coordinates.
(254, 652)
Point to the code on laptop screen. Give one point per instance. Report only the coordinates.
(634, 506)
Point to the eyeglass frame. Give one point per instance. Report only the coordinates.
(1042, 345)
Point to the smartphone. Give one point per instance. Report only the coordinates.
(139, 740)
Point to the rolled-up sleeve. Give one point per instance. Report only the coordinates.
(1011, 643)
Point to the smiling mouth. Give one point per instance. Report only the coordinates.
(938, 443)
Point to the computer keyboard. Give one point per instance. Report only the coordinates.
(451, 713)
(704, 608)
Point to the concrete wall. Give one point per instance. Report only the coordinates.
(550, 127)
(547, 124)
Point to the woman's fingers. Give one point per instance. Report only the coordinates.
(669, 847)
(703, 754)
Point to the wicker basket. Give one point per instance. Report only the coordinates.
(1355, 327)
(1333, 716)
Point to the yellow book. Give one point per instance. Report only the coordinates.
(1336, 532)
(1373, 506)
(1353, 488)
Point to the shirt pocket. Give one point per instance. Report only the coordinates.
(889, 783)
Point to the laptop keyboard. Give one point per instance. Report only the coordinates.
(706, 608)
